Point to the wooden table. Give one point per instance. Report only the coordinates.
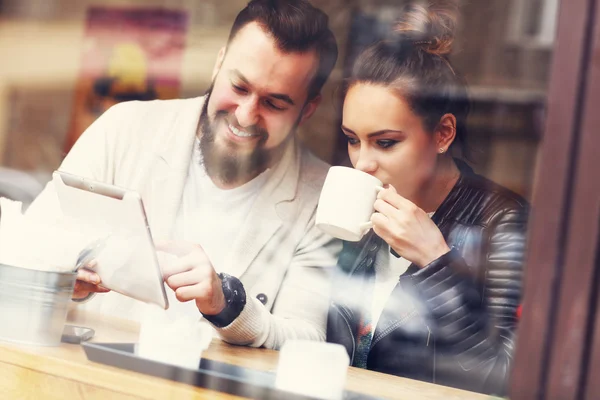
(64, 372)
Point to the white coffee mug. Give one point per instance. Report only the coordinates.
(346, 203)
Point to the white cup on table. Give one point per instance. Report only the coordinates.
(315, 369)
(346, 203)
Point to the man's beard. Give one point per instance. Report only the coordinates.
(225, 163)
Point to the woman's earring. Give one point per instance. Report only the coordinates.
(442, 150)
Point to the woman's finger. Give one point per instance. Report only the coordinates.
(387, 229)
(385, 208)
(392, 197)
(380, 224)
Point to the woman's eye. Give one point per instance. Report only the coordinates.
(351, 140)
(384, 144)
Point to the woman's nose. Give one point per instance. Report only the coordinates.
(365, 163)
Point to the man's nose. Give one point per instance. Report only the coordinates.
(247, 112)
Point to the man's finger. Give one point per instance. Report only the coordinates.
(176, 248)
(187, 293)
(86, 275)
(82, 289)
(187, 278)
(179, 266)
(91, 265)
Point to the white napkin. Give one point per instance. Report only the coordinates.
(315, 369)
(173, 338)
(176, 336)
(29, 243)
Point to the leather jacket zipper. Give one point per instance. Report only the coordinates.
(428, 335)
(346, 319)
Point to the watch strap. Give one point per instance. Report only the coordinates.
(235, 300)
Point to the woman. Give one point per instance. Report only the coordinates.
(432, 292)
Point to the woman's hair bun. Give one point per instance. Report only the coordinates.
(429, 25)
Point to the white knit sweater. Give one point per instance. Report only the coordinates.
(279, 254)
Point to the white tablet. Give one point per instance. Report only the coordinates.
(114, 225)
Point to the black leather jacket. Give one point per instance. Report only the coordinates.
(453, 321)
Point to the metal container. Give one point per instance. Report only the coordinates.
(34, 305)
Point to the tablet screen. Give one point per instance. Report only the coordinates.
(113, 221)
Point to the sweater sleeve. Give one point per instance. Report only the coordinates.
(300, 311)
(477, 317)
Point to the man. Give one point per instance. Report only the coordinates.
(225, 179)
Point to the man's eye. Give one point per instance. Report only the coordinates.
(273, 106)
(384, 144)
(239, 89)
(352, 141)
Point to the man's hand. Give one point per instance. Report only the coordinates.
(192, 276)
(87, 282)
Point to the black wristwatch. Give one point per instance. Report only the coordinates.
(235, 300)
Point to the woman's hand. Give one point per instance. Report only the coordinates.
(407, 228)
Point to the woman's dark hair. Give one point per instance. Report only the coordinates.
(414, 62)
(297, 27)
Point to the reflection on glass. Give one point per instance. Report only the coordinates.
(442, 101)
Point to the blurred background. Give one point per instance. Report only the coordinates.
(65, 61)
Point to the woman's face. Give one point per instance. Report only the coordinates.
(388, 140)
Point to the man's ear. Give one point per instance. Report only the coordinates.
(219, 62)
(310, 108)
(445, 132)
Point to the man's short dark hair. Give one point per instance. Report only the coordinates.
(297, 27)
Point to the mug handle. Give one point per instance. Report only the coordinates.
(364, 227)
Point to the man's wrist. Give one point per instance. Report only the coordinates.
(235, 300)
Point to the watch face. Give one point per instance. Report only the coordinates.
(235, 297)
(227, 293)
(233, 289)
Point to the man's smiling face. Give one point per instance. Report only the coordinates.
(258, 99)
